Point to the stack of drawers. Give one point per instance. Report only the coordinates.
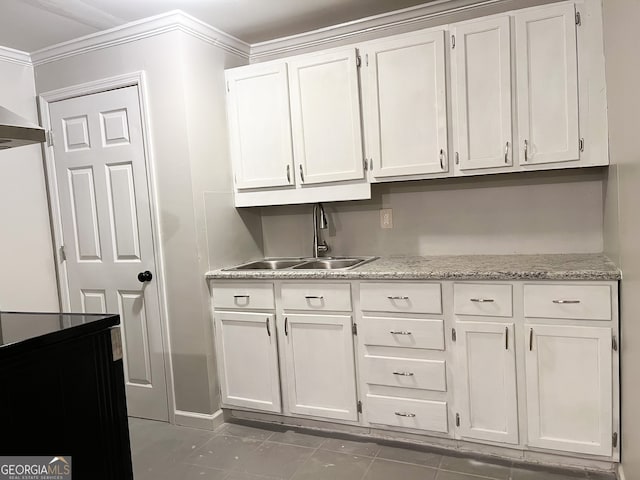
(402, 353)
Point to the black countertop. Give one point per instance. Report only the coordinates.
(24, 331)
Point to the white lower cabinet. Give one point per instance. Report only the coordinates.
(569, 388)
(320, 366)
(248, 355)
(486, 381)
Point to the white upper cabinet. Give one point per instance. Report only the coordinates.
(547, 76)
(404, 93)
(481, 84)
(325, 116)
(259, 126)
(486, 368)
(569, 388)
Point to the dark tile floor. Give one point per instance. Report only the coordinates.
(237, 452)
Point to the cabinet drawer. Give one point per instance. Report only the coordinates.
(403, 332)
(244, 296)
(407, 413)
(582, 302)
(404, 372)
(482, 300)
(319, 296)
(401, 297)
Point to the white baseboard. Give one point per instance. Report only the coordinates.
(621, 473)
(202, 421)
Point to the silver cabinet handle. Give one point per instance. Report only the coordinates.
(288, 173)
(399, 332)
(313, 297)
(482, 300)
(405, 414)
(397, 297)
(506, 338)
(506, 153)
(286, 323)
(404, 374)
(526, 150)
(565, 301)
(442, 159)
(268, 329)
(301, 174)
(241, 296)
(530, 339)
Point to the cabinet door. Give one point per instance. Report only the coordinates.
(320, 366)
(546, 59)
(325, 116)
(406, 108)
(481, 82)
(569, 388)
(248, 355)
(485, 355)
(259, 126)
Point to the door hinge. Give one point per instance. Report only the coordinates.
(614, 343)
(366, 59)
(457, 419)
(581, 144)
(614, 440)
(359, 408)
(62, 254)
(354, 329)
(578, 19)
(453, 42)
(228, 86)
(50, 139)
(358, 61)
(454, 336)
(457, 158)
(366, 165)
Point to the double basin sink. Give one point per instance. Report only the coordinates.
(321, 263)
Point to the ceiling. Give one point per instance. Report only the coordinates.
(29, 25)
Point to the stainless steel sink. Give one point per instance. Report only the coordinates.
(322, 263)
(269, 264)
(330, 264)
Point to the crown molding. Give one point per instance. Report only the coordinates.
(175, 20)
(15, 56)
(350, 30)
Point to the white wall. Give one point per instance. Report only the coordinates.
(544, 212)
(27, 270)
(622, 202)
(185, 88)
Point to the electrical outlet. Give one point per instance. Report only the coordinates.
(386, 218)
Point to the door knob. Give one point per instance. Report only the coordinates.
(145, 276)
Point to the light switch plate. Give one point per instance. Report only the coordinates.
(386, 218)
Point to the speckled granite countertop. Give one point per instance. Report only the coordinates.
(454, 267)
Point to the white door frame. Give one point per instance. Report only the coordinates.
(44, 99)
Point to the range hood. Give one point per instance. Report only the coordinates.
(16, 131)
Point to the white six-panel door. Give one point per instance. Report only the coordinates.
(260, 126)
(325, 117)
(320, 366)
(481, 84)
(569, 388)
(248, 355)
(488, 403)
(106, 221)
(405, 103)
(546, 60)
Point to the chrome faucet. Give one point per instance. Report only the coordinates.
(319, 222)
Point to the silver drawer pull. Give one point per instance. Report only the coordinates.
(566, 301)
(399, 332)
(482, 300)
(313, 297)
(404, 374)
(405, 414)
(397, 297)
(241, 296)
